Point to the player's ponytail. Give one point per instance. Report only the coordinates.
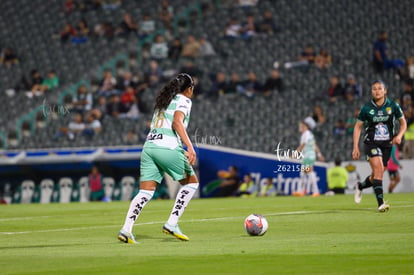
(168, 92)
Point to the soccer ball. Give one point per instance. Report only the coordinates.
(255, 225)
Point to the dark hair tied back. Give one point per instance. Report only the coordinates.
(169, 91)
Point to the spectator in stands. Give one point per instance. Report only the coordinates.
(206, 49)
(70, 6)
(248, 27)
(273, 83)
(35, 84)
(67, 33)
(104, 29)
(352, 89)
(175, 49)
(350, 123)
(75, 128)
(99, 110)
(115, 108)
(23, 85)
(337, 178)
(318, 115)
(166, 14)
(111, 4)
(380, 60)
(95, 183)
(128, 97)
(267, 25)
(251, 86)
(8, 57)
(153, 73)
(229, 182)
(407, 72)
(306, 58)
(147, 26)
(92, 125)
(323, 60)
(131, 138)
(335, 90)
(107, 85)
(127, 25)
(234, 85)
(233, 29)
(50, 82)
(191, 48)
(82, 28)
(191, 69)
(83, 100)
(159, 49)
(407, 96)
(339, 129)
(246, 187)
(218, 86)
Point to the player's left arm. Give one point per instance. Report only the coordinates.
(179, 127)
(319, 153)
(403, 126)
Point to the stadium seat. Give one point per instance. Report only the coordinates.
(108, 184)
(25, 193)
(127, 188)
(84, 189)
(65, 186)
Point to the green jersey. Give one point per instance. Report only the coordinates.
(379, 121)
(162, 133)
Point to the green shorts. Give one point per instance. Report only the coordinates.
(155, 161)
(308, 162)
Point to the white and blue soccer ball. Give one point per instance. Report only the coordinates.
(256, 225)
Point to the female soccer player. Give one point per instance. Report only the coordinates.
(163, 153)
(378, 115)
(310, 151)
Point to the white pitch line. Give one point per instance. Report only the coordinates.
(193, 220)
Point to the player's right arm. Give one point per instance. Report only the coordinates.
(357, 133)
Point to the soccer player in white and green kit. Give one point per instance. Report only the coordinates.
(163, 152)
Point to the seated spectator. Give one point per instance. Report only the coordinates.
(407, 95)
(50, 82)
(127, 26)
(166, 14)
(23, 85)
(251, 86)
(318, 115)
(323, 60)
(107, 85)
(350, 123)
(153, 73)
(95, 183)
(82, 33)
(206, 49)
(131, 138)
(74, 129)
(115, 108)
(247, 187)
(352, 89)
(99, 110)
(407, 72)
(218, 86)
(267, 25)
(104, 29)
(175, 49)
(273, 83)
(190, 69)
(147, 26)
(248, 27)
(234, 85)
(339, 129)
(67, 33)
(70, 6)
(191, 48)
(8, 57)
(306, 58)
(35, 84)
(159, 49)
(233, 29)
(335, 90)
(83, 100)
(229, 182)
(92, 125)
(128, 97)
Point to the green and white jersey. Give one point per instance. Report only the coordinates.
(379, 121)
(162, 134)
(308, 139)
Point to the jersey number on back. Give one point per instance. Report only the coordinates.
(160, 120)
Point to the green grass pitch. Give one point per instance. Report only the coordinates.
(322, 235)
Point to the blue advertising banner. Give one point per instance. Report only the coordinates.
(284, 172)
